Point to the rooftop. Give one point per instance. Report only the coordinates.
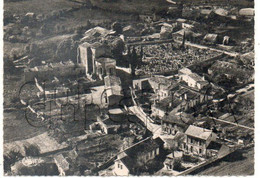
(198, 132)
(168, 103)
(160, 79)
(180, 119)
(196, 77)
(132, 155)
(189, 93)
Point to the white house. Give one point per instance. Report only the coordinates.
(192, 79)
(197, 140)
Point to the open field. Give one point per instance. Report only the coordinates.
(17, 128)
(43, 141)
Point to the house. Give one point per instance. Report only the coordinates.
(162, 86)
(105, 124)
(221, 12)
(97, 32)
(213, 149)
(189, 35)
(172, 123)
(129, 30)
(191, 98)
(62, 164)
(131, 161)
(141, 84)
(166, 31)
(171, 160)
(176, 100)
(192, 79)
(164, 106)
(248, 58)
(197, 140)
(174, 142)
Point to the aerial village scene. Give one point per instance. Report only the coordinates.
(128, 87)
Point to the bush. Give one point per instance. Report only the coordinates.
(190, 159)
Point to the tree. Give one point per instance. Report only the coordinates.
(66, 49)
(10, 159)
(177, 164)
(116, 26)
(117, 48)
(32, 150)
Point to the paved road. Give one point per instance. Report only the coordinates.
(138, 111)
(154, 128)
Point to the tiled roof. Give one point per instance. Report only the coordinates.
(198, 132)
(132, 155)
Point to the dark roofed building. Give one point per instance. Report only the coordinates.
(129, 161)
